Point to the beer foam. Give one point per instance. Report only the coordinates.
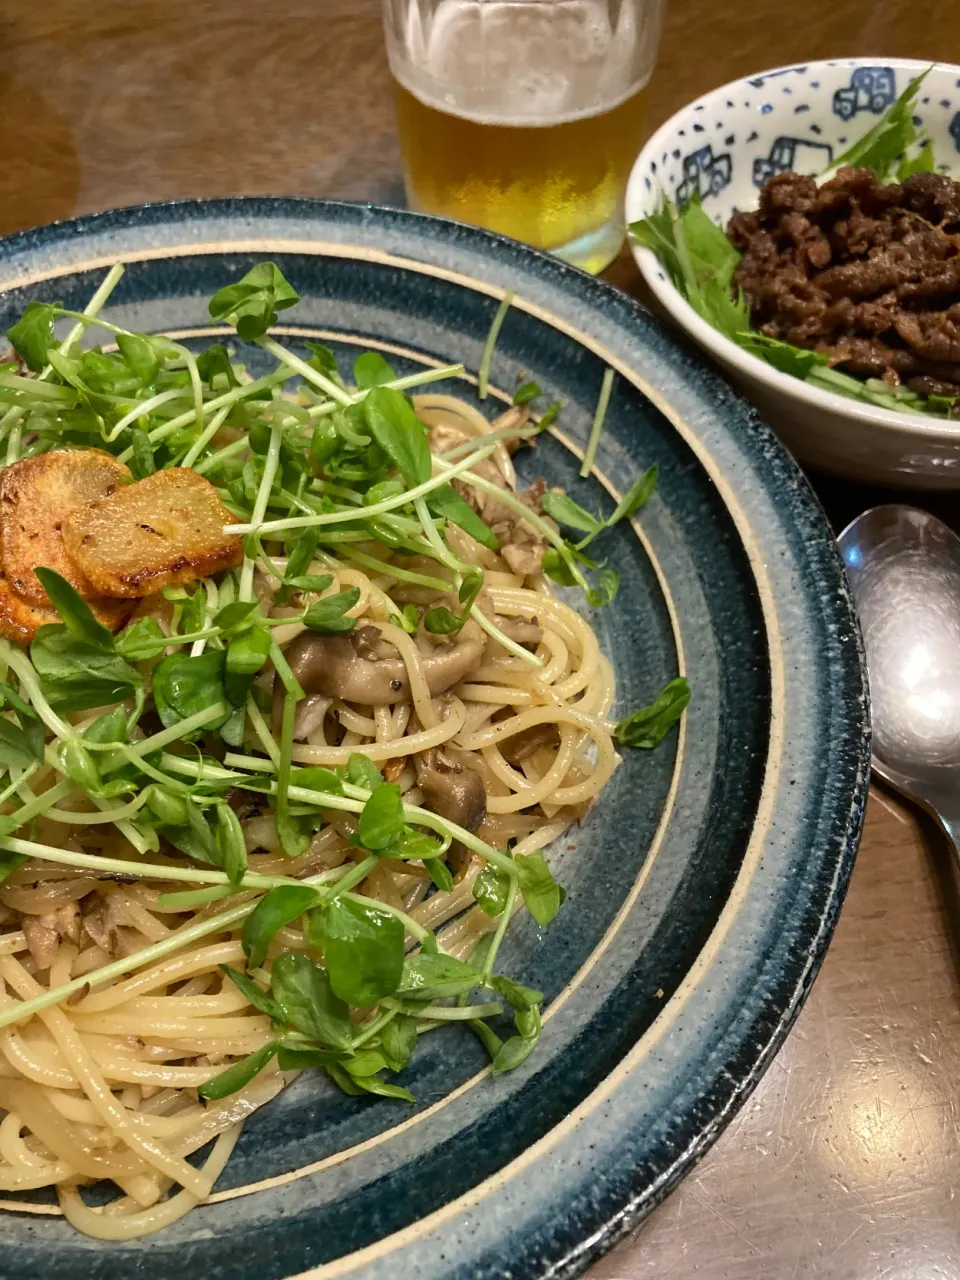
(517, 63)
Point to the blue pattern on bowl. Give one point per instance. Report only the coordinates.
(790, 128)
(801, 117)
(703, 889)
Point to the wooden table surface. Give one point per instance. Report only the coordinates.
(844, 1162)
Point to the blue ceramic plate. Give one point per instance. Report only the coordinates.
(704, 887)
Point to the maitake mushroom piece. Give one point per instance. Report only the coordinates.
(521, 746)
(43, 933)
(105, 925)
(454, 792)
(451, 790)
(521, 545)
(366, 670)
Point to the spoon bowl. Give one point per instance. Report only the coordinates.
(904, 570)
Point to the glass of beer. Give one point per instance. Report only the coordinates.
(524, 116)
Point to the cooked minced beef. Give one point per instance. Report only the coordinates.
(867, 274)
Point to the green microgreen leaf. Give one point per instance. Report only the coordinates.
(323, 360)
(314, 929)
(108, 728)
(240, 1074)
(549, 414)
(564, 510)
(440, 874)
(637, 496)
(169, 808)
(413, 844)
(309, 1003)
(143, 639)
(316, 778)
(399, 432)
(314, 582)
(277, 909)
(214, 361)
(363, 950)
(381, 819)
(254, 993)
(371, 370)
(328, 616)
(251, 305)
(76, 675)
(648, 726)
(324, 443)
(558, 567)
(292, 1057)
(75, 614)
(362, 772)
(141, 356)
(344, 1081)
(236, 616)
(512, 1053)
(470, 588)
(183, 685)
(231, 845)
(15, 747)
(408, 619)
(434, 977)
(373, 1084)
(608, 584)
(365, 1062)
(526, 392)
(490, 889)
(299, 558)
(398, 1040)
(516, 995)
(195, 837)
(143, 463)
(440, 621)
(9, 694)
(246, 655)
(540, 891)
(32, 336)
(193, 608)
(446, 502)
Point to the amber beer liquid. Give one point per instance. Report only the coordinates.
(524, 117)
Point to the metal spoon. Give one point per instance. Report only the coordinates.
(904, 571)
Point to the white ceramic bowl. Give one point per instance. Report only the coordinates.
(726, 144)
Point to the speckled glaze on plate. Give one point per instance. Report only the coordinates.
(704, 887)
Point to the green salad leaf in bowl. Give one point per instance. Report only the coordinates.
(702, 261)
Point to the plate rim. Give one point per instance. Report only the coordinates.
(618, 1214)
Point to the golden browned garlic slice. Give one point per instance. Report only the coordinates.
(36, 496)
(165, 530)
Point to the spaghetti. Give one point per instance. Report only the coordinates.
(426, 716)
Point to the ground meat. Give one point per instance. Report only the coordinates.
(865, 273)
(936, 198)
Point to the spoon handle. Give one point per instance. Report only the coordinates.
(946, 810)
(941, 798)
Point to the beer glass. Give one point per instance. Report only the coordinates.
(524, 116)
